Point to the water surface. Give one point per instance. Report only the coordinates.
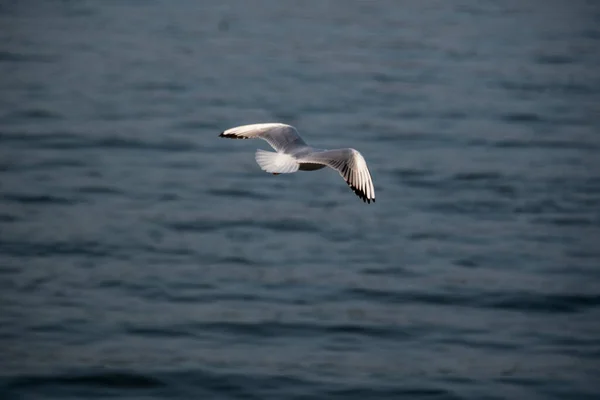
(143, 257)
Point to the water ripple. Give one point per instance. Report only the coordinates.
(42, 199)
(132, 237)
(282, 225)
(528, 302)
(107, 380)
(72, 141)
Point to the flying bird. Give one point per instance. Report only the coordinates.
(293, 154)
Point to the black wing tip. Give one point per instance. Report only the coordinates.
(232, 136)
(360, 194)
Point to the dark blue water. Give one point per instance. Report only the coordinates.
(142, 257)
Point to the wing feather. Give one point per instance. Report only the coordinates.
(281, 137)
(352, 167)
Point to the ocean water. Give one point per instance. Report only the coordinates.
(143, 257)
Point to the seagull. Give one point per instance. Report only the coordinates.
(293, 154)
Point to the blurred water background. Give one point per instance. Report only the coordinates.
(143, 257)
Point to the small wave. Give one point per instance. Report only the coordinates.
(11, 56)
(392, 271)
(384, 77)
(419, 137)
(469, 262)
(15, 137)
(521, 117)
(36, 199)
(221, 384)
(50, 248)
(197, 126)
(540, 207)
(172, 87)
(411, 173)
(117, 380)
(34, 113)
(570, 221)
(8, 218)
(491, 181)
(99, 190)
(290, 225)
(236, 260)
(206, 225)
(477, 176)
(553, 59)
(453, 115)
(488, 180)
(281, 329)
(566, 87)
(478, 343)
(390, 393)
(416, 178)
(284, 225)
(546, 144)
(474, 207)
(383, 331)
(529, 302)
(58, 163)
(429, 235)
(386, 296)
(237, 193)
(550, 303)
(127, 143)
(72, 141)
(590, 34)
(162, 332)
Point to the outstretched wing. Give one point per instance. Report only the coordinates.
(281, 137)
(352, 167)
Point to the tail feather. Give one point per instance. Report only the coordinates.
(276, 163)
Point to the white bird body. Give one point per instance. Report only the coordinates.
(293, 154)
